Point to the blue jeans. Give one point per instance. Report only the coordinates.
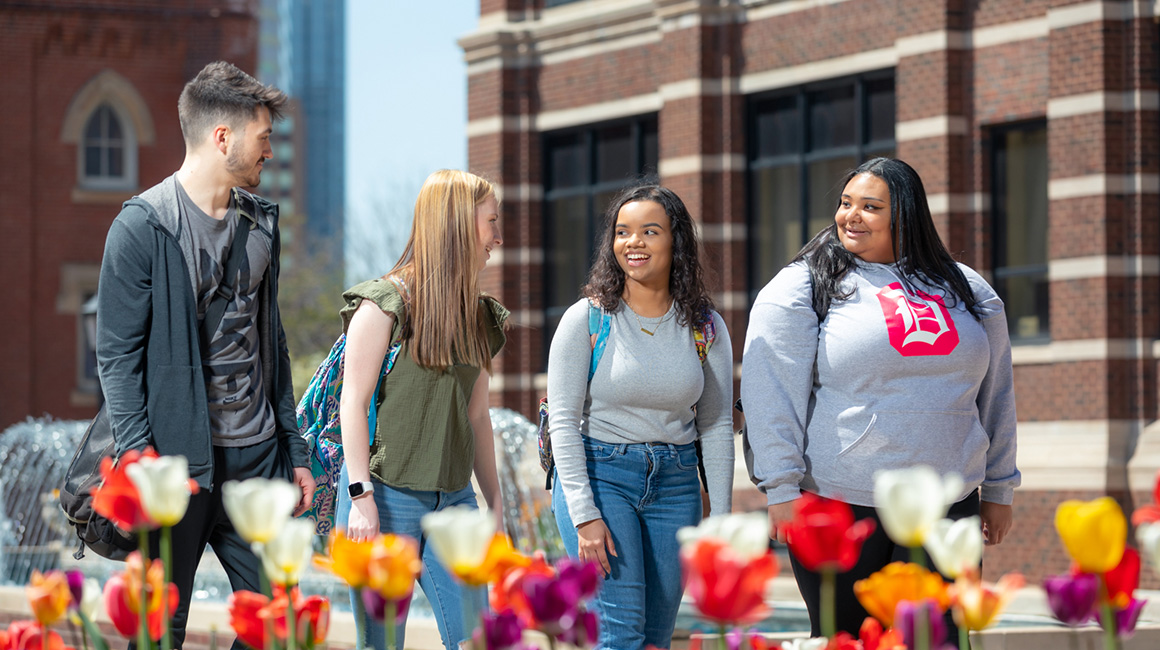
(644, 492)
(400, 510)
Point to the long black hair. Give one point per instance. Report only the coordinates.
(686, 279)
(918, 251)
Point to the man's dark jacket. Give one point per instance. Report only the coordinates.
(148, 349)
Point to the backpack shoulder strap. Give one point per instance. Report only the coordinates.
(599, 325)
(704, 335)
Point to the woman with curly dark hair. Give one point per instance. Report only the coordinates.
(639, 370)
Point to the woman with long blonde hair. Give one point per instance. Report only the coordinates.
(433, 429)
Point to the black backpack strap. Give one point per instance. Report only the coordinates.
(225, 290)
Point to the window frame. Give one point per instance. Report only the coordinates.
(805, 155)
(128, 178)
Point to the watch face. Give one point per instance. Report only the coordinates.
(357, 489)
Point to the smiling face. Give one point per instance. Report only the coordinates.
(643, 243)
(487, 228)
(249, 149)
(863, 219)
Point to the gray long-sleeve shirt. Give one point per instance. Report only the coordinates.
(888, 380)
(643, 391)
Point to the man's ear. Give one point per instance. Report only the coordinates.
(221, 136)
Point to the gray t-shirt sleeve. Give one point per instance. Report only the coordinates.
(568, 360)
(781, 345)
(715, 420)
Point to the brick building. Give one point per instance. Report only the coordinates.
(1033, 123)
(88, 100)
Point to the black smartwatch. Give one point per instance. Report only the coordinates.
(356, 490)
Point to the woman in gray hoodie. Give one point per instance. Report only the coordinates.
(875, 350)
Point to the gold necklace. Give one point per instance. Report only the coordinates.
(641, 325)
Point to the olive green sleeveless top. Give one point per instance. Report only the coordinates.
(423, 438)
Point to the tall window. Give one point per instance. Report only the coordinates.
(801, 141)
(1019, 200)
(108, 155)
(583, 170)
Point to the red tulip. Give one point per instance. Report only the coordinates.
(724, 587)
(30, 635)
(122, 597)
(117, 498)
(823, 534)
(509, 594)
(253, 616)
(1123, 580)
(1149, 513)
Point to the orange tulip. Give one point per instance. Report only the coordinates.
(117, 499)
(253, 616)
(976, 604)
(123, 596)
(350, 560)
(49, 596)
(500, 558)
(725, 587)
(394, 564)
(898, 581)
(30, 635)
(508, 593)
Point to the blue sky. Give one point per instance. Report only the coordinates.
(406, 116)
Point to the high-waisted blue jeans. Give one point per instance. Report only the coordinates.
(644, 492)
(400, 510)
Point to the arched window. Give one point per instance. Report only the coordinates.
(104, 149)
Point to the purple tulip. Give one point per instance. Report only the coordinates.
(554, 602)
(584, 633)
(76, 584)
(910, 612)
(503, 630)
(376, 606)
(585, 576)
(1126, 618)
(1072, 598)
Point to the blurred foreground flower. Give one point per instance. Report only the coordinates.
(1072, 598)
(910, 501)
(254, 616)
(726, 586)
(976, 604)
(1094, 533)
(48, 596)
(164, 487)
(259, 507)
(117, 499)
(466, 542)
(921, 624)
(956, 547)
(287, 554)
(897, 582)
(823, 534)
(123, 597)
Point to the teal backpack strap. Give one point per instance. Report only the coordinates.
(599, 324)
(703, 337)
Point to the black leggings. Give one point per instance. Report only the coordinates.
(878, 551)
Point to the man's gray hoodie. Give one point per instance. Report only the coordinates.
(889, 379)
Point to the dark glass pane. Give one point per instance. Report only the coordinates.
(568, 249)
(1025, 298)
(778, 124)
(831, 118)
(600, 207)
(880, 105)
(93, 127)
(777, 225)
(114, 130)
(651, 147)
(1025, 198)
(825, 189)
(116, 167)
(92, 161)
(567, 162)
(614, 154)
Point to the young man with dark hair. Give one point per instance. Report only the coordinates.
(221, 398)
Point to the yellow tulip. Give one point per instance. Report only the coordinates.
(896, 582)
(48, 596)
(349, 560)
(500, 558)
(977, 604)
(286, 555)
(393, 566)
(1094, 533)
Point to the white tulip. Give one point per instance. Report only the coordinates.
(259, 507)
(746, 533)
(956, 546)
(805, 644)
(91, 598)
(163, 484)
(909, 501)
(460, 536)
(1148, 535)
(287, 554)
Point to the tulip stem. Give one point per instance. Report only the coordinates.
(828, 624)
(292, 627)
(166, 557)
(922, 627)
(917, 556)
(390, 622)
(1108, 620)
(43, 637)
(964, 638)
(722, 642)
(143, 605)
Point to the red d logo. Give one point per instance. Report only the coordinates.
(919, 324)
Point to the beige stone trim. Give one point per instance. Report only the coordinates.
(756, 10)
(1089, 12)
(698, 88)
(1100, 184)
(817, 70)
(1081, 350)
(527, 318)
(1012, 32)
(698, 164)
(108, 87)
(1100, 266)
(732, 300)
(724, 232)
(522, 192)
(516, 255)
(510, 381)
(1102, 102)
(931, 127)
(947, 203)
(1075, 454)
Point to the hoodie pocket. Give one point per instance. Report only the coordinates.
(949, 441)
